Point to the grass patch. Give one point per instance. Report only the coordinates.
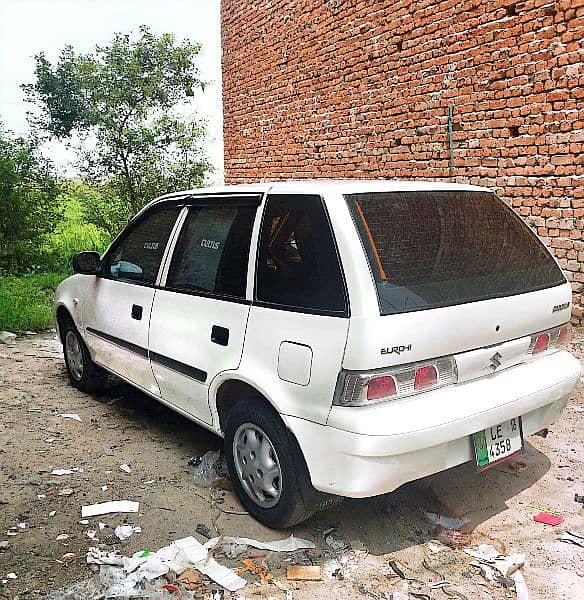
(26, 302)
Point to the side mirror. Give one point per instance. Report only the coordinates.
(86, 263)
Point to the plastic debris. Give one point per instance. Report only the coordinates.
(123, 532)
(435, 548)
(573, 537)
(335, 544)
(69, 556)
(100, 557)
(446, 522)
(103, 508)
(91, 534)
(4, 545)
(304, 573)
(578, 498)
(66, 471)
(289, 544)
(12, 531)
(11, 575)
(62, 536)
(178, 557)
(65, 492)
(6, 336)
(73, 416)
(548, 519)
(501, 569)
(208, 468)
(125, 468)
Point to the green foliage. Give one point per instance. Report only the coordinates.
(28, 190)
(74, 232)
(121, 97)
(26, 302)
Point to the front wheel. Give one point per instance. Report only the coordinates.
(267, 468)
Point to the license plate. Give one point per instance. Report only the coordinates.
(498, 443)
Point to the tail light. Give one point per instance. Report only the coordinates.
(552, 339)
(364, 388)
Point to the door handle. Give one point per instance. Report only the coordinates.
(220, 335)
(136, 312)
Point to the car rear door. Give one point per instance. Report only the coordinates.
(199, 315)
(116, 308)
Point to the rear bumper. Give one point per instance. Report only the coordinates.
(431, 432)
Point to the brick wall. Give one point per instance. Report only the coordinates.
(348, 88)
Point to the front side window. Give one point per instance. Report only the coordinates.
(428, 249)
(136, 256)
(212, 252)
(298, 264)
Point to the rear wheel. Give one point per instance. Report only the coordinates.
(83, 373)
(267, 468)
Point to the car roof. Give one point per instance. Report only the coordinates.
(320, 186)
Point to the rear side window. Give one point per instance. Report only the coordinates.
(298, 265)
(440, 248)
(212, 251)
(137, 254)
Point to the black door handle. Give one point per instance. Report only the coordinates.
(220, 335)
(136, 312)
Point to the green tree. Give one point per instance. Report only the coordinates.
(28, 189)
(122, 98)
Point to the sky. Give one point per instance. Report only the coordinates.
(29, 26)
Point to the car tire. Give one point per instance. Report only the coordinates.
(281, 494)
(83, 373)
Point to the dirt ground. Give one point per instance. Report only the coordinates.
(125, 426)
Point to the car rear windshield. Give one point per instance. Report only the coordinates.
(440, 248)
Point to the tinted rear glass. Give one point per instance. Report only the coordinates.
(431, 249)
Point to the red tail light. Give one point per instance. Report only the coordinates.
(563, 336)
(381, 387)
(425, 377)
(541, 343)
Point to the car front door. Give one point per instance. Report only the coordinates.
(116, 310)
(199, 316)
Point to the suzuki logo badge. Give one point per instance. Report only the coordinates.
(495, 361)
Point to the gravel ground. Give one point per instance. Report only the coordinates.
(125, 426)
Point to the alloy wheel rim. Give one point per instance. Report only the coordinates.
(257, 464)
(74, 355)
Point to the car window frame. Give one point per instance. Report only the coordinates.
(127, 230)
(233, 200)
(346, 312)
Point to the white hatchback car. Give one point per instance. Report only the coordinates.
(344, 337)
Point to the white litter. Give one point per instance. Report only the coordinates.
(178, 556)
(103, 508)
(100, 557)
(91, 533)
(123, 532)
(101, 526)
(73, 416)
(12, 576)
(66, 471)
(289, 544)
(52, 513)
(493, 565)
(150, 481)
(41, 496)
(446, 522)
(335, 544)
(62, 536)
(84, 522)
(125, 468)
(104, 488)
(5, 336)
